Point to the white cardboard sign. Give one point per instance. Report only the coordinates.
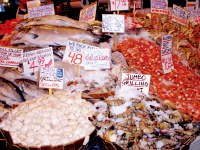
(166, 53)
(119, 5)
(179, 15)
(97, 59)
(140, 82)
(36, 59)
(10, 57)
(159, 6)
(88, 13)
(45, 10)
(51, 78)
(74, 52)
(113, 23)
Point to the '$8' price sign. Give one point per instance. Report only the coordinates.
(74, 58)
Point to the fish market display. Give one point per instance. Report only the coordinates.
(54, 20)
(45, 35)
(52, 120)
(142, 123)
(181, 86)
(10, 93)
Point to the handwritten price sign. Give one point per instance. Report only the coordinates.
(159, 6)
(119, 5)
(10, 57)
(194, 16)
(88, 14)
(34, 60)
(35, 3)
(97, 59)
(140, 82)
(179, 15)
(41, 11)
(74, 52)
(51, 78)
(166, 54)
(113, 23)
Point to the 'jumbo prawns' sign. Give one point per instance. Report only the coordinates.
(194, 16)
(159, 6)
(88, 14)
(45, 10)
(33, 60)
(179, 15)
(166, 54)
(140, 82)
(10, 57)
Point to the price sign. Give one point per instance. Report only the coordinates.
(97, 59)
(88, 14)
(194, 16)
(41, 11)
(166, 54)
(34, 60)
(113, 23)
(189, 8)
(51, 78)
(159, 6)
(10, 57)
(119, 5)
(74, 52)
(179, 15)
(140, 82)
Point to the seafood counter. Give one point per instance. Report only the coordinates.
(93, 107)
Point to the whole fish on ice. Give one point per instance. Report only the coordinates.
(44, 36)
(10, 93)
(54, 20)
(30, 88)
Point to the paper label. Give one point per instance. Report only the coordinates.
(140, 82)
(41, 11)
(179, 15)
(74, 52)
(34, 60)
(189, 8)
(194, 16)
(166, 54)
(97, 59)
(159, 6)
(113, 23)
(119, 5)
(10, 57)
(88, 14)
(51, 78)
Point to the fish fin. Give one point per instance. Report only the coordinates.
(34, 36)
(104, 38)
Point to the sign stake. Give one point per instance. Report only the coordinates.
(50, 91)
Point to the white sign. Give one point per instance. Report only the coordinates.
(10, 57)
(41, 11)
(166, 54)
(179, 15)
(34, 60)
(140, 82)
(74, 52)
(113, 23)
(88, 14)
(97, 59)
(194, 16)
(159, 6)
(119, 5)
(51, 78)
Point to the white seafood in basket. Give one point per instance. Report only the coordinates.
(54, 120)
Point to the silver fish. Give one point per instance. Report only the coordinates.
(44, 36)
(30, 88)
(9, 92)
(54, 20)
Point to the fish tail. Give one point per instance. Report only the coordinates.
(104, 38)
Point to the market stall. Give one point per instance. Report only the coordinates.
(129, 82)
